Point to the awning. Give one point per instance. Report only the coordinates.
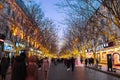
(8, 42)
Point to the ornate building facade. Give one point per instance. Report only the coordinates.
(15, 25)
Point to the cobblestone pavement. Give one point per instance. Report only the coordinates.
(59, 72)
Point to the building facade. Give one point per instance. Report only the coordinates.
(107, 39)
(16, 27)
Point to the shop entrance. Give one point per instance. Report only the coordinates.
(116, 59)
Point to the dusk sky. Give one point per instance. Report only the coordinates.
(52, 11)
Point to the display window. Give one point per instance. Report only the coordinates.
(116, 59)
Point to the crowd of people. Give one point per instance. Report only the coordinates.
(90, 61)
(26, 68)
(69, 63)
(4, 64)
(23, 67)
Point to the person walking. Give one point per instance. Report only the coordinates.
(55, 61)
(86, 62)
(0, 67)
(45, 67)
(32, 69)
(4, 66)
(65, 62)
(92, 61)
(68, 64)
(39, 63)
(81, 59)
(19, 67)
(72, 63)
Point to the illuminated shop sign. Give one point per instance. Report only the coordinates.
(19, 44)
(8, 47)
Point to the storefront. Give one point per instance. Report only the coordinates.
(19, 47)
(103, 56)
(116, 56)
(98, 56)
(115, 51)
(89, 54)
(32, 51)
(8, 48)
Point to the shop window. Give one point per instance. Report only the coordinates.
(8, 11)
(104, 56)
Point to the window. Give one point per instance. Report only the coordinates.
(13, 15)
(103, 22)
(8, 11)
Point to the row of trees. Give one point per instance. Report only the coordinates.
(92, 23)
(48, 37)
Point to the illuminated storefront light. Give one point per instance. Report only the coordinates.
(1, 6)
(8, 46)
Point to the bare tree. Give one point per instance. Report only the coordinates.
(96, 22)
(47, 36)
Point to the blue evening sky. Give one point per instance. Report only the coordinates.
(51, 11)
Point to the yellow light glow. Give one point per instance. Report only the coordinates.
(21, 34)
(28, 38)
(1, 6)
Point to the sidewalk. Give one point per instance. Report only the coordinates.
(59, 72)
(8, 74)
(104, 70)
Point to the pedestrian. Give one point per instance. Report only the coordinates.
(0, 67)
(39, 63)
(45, 67)
(12, 60)
(19, 67)
(97, 62)
(32, 69)
(81, 59)
(72, 63)
(65, 62)
(55, 62)
(92, 61)
(4, 66)
(86, 61)
(68, 64)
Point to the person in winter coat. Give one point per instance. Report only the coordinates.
(86, 61)
(72, 63)
(4, 67)
(19, 68)
(32, 69)
(68, 64)
(45, 67)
